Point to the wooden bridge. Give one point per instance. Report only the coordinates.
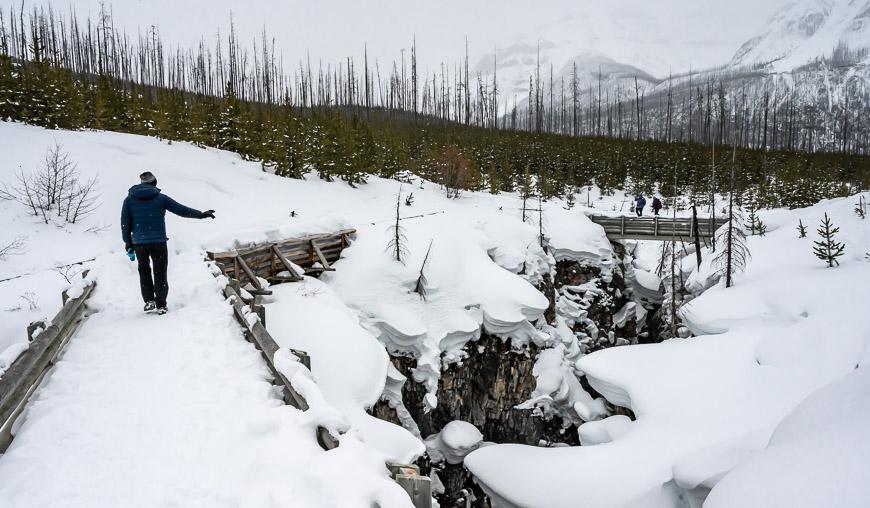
(656, 228)
(284, 261)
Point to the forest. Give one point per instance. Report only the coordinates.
(345, 122)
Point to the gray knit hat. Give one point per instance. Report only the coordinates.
(148, 177)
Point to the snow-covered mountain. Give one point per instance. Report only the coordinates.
(805, 31)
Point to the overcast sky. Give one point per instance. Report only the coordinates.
(656, 35)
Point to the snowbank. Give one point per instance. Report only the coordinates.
(348, 364)
(576, 238)
(817, 456)
(704, 405)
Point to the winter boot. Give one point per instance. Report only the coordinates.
(161, 311)
(150, 306)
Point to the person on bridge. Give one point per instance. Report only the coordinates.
(639, 203)
(143, 229)
(657, 205)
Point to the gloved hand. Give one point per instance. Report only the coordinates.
(128, 247)
(208, 213)
(130, 252)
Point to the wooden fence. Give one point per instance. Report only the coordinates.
(25, 374)
(418, 487)
(271, 261)
(656, 228)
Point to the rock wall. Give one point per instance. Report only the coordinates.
(485, 388)
(482, 390)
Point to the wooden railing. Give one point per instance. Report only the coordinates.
(268, 259)
(656, 228)
(271, 261)
(23, 377)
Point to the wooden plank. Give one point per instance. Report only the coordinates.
(320, 257)
(286, 263)
(248, 272)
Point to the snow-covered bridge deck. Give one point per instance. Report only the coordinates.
(144, 410)
(656, 228)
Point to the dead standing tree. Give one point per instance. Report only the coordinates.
(735, 253)
(397, 245)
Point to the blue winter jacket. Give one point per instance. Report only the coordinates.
(143, 216)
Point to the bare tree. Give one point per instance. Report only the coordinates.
(397, 245)
(55, 190)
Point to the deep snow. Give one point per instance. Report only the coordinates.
(210, 430)
(788, 327)
(479, 245)
(175, 410)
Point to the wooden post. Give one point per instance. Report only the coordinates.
(419, 488)
(32, 327)
(622, 225)
(695, 235)
(656, 226)
(258, 307)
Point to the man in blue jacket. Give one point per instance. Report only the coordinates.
(143, 227)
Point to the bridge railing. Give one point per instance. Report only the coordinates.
(626, 227)
(23, 377)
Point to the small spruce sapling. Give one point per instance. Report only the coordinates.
(756, 226)
(828, 249)
(802, 230)
(570, 199)
(409, 200)
(861, 208)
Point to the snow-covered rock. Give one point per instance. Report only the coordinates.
(456, 440)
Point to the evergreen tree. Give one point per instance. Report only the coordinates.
(828, 249)
(571, 198)
(802, 230)
(227, 132)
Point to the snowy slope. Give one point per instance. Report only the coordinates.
(806, 30)
(830, 428)
(176, 410)
(705, 404)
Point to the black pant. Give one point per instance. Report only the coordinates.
(639, 211)
(156, 289)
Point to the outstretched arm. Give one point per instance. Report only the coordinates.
(126, 222)
(181, 210)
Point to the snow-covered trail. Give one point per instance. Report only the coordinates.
(174, 410)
